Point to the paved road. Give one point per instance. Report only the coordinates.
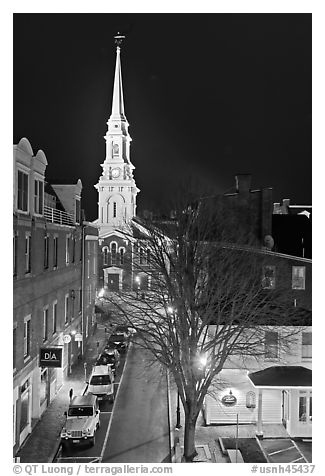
(139, 431)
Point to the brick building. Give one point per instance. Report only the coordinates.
(53, 266)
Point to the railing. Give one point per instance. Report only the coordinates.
(58, 216)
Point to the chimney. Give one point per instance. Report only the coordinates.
(243, 182)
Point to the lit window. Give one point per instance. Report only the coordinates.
(55, 316)
(45, 323)
(66, 308)
(22, 198)
(306, 345)
(38, 197)
(28, 247)
(271, 345)
(46, 251)
(268, 281)
(298, 277)
(26, 337)
(113, 253)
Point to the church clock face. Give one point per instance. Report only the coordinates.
(116, 172)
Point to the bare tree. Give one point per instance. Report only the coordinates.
(208, 300)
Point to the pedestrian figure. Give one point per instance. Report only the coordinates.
(71, 394)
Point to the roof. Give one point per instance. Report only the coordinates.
(282, 376)
(81, 400)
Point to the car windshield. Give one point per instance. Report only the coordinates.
(80, 411)
(100, 380)
(116, 338)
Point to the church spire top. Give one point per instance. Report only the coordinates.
(118, 102)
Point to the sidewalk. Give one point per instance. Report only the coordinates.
(42, 444)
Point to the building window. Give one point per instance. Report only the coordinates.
(28, 247)
(298, 277)
(306, 347)
(73, 249)
(250, 399)
(45, 323)
(114, 209)
(305, 407)
(141, 256)
(268, 281)
(105, 256)
(55, 252)
(113, 253)
(78, 211)
(22, 199)
(26, 337)
(115, 148)
(67, 250)
(148, 256)
(42, 390)
(46, 251)
(55, 316)
(122, 251)
(66, 308)
(271, 345)
(15, 250)
(38, 197)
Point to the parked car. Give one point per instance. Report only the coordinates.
(118, 342)
(101, 382)
(109, 357)
(82, 421)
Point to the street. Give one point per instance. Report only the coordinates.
(135, 428)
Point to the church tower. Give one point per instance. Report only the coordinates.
(117, 190)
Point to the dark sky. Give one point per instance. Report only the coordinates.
(206, 95)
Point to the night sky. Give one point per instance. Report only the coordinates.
(206, 95)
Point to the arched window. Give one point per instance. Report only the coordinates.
(105, 256)
(250, 400)
(113, 253)
(122, 250)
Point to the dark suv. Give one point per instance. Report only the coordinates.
(118, 342)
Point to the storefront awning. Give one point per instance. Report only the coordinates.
(282, 376)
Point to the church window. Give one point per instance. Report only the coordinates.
(114, 209)
(105, 256)
(122, 250)
(113, 253)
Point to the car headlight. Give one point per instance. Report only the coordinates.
(84, 432)
(69, 432)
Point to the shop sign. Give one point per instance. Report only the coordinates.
(229, 400)
(67, 338)
(50, 357)
(78, 337)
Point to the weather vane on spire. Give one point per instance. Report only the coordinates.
(119, 39)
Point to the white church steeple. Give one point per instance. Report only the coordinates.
(116, 187)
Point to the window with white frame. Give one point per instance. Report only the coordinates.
(67, 249)
(271, 345)
(113, 253)
(55, 251)
(28, 248)
(298, 277)
(268, 280)
(27, 330)
(105, 256)
(45, 323)
(46, 251)
(306, 347)
(22, 196)
(38, 196)
(55, 316)
(305, 413)
(66, 308)
(122, 252)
